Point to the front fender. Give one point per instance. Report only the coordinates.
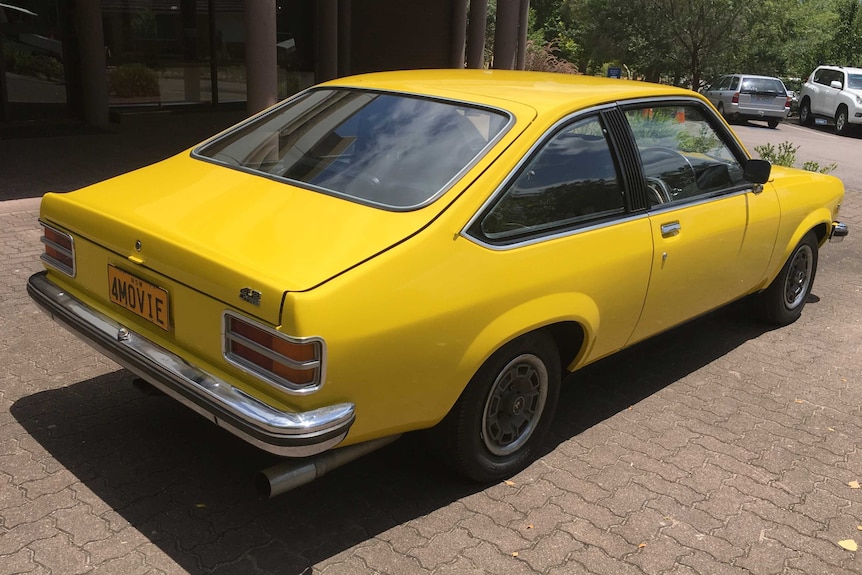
(819, 220)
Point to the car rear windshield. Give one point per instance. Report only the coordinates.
(388, 150)
(762, 86)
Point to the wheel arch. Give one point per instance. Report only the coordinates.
(817, 222)
(572, 331)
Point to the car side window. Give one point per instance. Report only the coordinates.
(734, 84)
(571, 180)
(725, 83)
(820, 77)
(840, 77)
(683, 156)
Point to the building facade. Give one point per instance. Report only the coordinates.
(85, 59)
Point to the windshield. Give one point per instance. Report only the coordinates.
(854, 81)
(388, 150)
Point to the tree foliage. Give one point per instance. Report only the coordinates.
(688, 42)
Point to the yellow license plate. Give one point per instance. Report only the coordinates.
(139, 297)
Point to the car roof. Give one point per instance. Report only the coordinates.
(543, 91)
(842, 68)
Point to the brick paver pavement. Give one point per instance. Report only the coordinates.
(718, 448)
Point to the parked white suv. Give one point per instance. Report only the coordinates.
(832, 93)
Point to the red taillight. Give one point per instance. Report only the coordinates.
(788, 101)
(291, 363)
(735, 99)
(59, 250)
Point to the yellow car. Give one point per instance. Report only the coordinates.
(426, 250)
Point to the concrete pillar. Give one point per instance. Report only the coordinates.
(476, 34)
(459, 34)
(345, 37)
(506, 34)
(91, 41)
(327, 40)
(523, 23)
(261, 66)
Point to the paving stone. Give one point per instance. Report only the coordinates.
(734, 458)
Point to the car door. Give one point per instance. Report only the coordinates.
(830, 100)
(713, 232)
(722, 96)
(564, 231)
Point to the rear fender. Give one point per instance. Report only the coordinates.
(530, 316)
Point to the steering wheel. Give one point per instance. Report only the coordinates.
(668, 164)
(659, 190)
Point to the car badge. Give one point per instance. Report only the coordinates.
(252, 296)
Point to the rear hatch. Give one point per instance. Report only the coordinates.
(220, 231)
(766, 94)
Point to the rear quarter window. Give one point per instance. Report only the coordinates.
(388, 150)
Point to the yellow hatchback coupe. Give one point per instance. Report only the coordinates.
(426, 250)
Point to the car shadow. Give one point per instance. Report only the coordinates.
(187, 485)
(829, 128)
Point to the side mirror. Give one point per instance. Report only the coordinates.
(836, 84)
(757, 171)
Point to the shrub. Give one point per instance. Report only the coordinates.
(785, 155)
(30, 64)
(133, 80)
(542, 59)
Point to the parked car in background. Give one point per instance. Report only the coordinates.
(740, 97)
(426, 250)
(793, 86)
(832, 93)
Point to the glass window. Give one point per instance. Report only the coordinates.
(683, 156)
(725, 83)
(734, 84)
(854, 81)
(388, 150)
(763, 86)
(571, 180)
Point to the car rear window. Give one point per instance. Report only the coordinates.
(762, 86)
(388, 150)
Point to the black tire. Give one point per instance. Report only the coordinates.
(773, 123)
(842, 126)
(805, 113)
(497, 426)
(783, 300)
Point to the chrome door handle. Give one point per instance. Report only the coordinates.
(670, 229)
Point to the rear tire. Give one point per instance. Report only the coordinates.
(783, 300)
(805, 113)
(773, 123)
(497, 426)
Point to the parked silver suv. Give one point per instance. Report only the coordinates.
(750, 97)
(832, 93)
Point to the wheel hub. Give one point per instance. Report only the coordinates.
(514, 405)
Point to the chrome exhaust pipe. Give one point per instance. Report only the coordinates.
(283, 477)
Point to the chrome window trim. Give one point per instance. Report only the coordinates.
(277, 382)
(557, 235)
(737, 150)
(510, 121)
(58, 265)
(699, 200)
(510, 177)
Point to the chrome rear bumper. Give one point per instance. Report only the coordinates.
(838, 232)
(282, 433)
